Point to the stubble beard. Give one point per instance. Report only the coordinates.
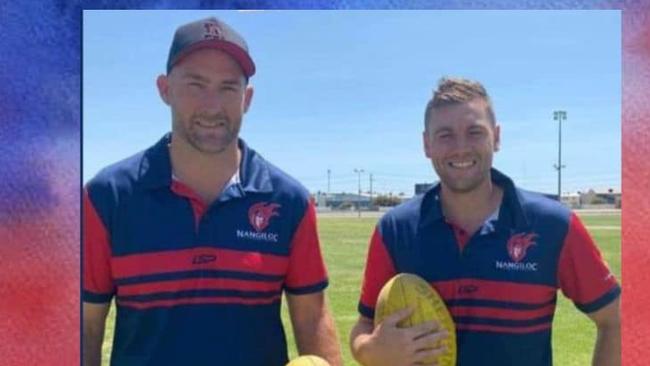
(465, 184)
(206, 140)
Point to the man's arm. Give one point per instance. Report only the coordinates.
(392, 346)
(313, 327)
(94, 319)
(586, 279)
(607, 351)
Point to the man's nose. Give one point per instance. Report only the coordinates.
(461, 143)
(212, 101)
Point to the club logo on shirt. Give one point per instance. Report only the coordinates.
(260, 215)
(517, 246)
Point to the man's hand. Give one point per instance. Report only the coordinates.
(389, 345)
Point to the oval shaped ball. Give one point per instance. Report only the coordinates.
(308, 360)
(409, 290)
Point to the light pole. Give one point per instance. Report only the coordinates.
(359, 171)
(371, 203)
(559, 116)
(329, 173)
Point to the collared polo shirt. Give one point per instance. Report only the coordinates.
(501, 287)
(198, 287)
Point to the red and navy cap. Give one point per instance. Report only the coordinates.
(210, 33)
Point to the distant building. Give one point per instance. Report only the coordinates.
(320, 199)
(342, 201)
(601, 197)
(594, 198)
(572, 200)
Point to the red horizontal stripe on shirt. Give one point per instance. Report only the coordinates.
(503, 329)
(197, 283)
(500, 313)
(494, 290)
(198, 300)
(201, 258)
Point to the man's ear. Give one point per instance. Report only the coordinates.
(248, 97)
(163, 88)
(497, 137)
(426, 144)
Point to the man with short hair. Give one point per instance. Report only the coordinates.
(496, 254)
(197, 237)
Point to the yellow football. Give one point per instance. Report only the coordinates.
(408, 290)
(308, 360)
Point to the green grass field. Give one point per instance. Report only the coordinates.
(344, 242)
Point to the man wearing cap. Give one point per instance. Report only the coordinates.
(198, 237)
(495, 253)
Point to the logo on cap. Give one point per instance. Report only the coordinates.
(518, 245)
(212, 31)
(260, 215)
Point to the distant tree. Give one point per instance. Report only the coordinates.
(386, 201)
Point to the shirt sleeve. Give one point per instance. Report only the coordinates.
(307, 272)
(97, 278)
(583, 274)
(379, 269)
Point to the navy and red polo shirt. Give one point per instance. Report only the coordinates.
(500, 286)
(197, 284)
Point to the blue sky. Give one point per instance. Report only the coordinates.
(341, 90)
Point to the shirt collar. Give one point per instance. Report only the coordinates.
(234, 180)
(509, 213)
(253, 175)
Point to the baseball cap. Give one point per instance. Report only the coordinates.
(210, 33)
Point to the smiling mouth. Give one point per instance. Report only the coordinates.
(211, 124)
(462, 164)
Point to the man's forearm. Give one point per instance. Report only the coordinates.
(94, 322)
(319, 338)
(92, 348)
(607, 351)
